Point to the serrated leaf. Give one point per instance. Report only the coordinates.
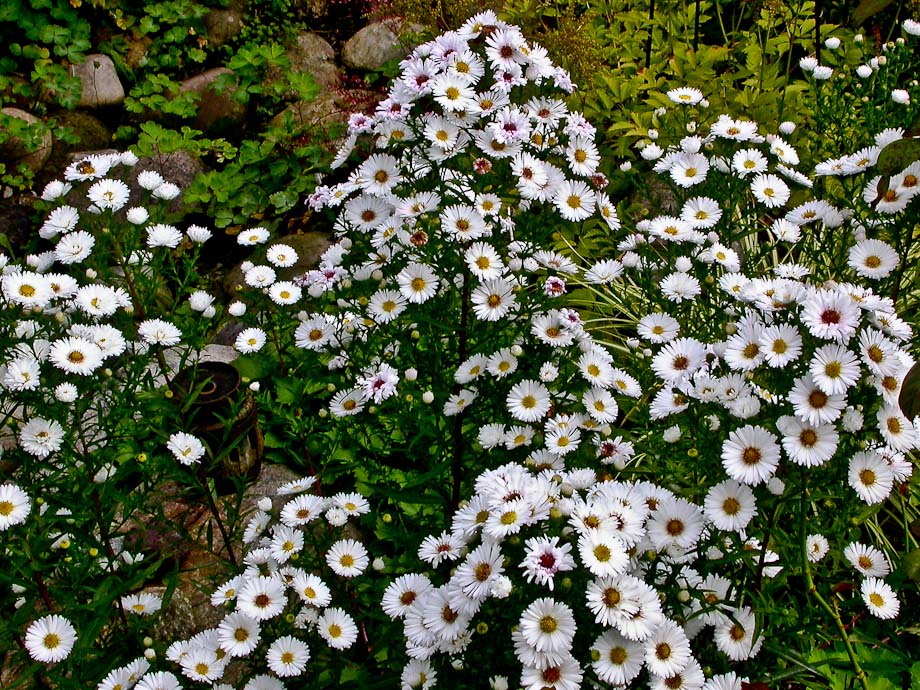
(915, 676)
(866, 9)
(909, 397)
(898, 155)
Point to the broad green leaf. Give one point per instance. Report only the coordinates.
(866, 9)
(911, 565)
(898, 155)
(909, 397)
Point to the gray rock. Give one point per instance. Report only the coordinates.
(216, 110)
(178, 167)
(90, 134)
(223, 26)
(312, 54)
(16, 150)
(309, 247)
(270, 479)
(373, 46)
(101, 85)
(316, 114)
(135, 51)
(314, 8)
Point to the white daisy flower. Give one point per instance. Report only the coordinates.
(287, 656)
(770, 190)
(41, 437)
(548, 626)
(260, 276)
(730, 505)
(749, 162)
(812, 404)
(158, 680)
(658, 327)
(750, 454)
(285, 293)
(834, 369)
(141, 604)
(75, 356)
(678, 360)
(896, 429)
(238, 634)
(27, 289)
(347, 558)
(22, 374)
(617, 660)
(50, 639)
(685, 95)
(250, 340)
(880, 598)
(483, 261)
(780, 344)
(680, 287)
(493, 299)
(832, 315)
(868, 560)
(667, 650)
(701, 212)
(870, 476)
(379, 174)
(735, 636)
(187, 448)
(417, 282)
(163, 235)
(15, 506)
(805, 443)
(109, 194)
(675, 523)
(816, 547)
(262, 597)
(159, 332)
(575, 200)
(337, 628)
(74, 247)
(528, 401)
(603, 554)
(873, 259)
(689, 169)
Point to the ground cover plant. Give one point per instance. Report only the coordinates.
(544, 441)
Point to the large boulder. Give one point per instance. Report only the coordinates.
(312, 54)
(100, 83)
(86, 132)
(217, 109)
(18, 150)
(223, 25)
(373, 46)
(308, 245)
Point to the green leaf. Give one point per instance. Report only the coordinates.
(915, 676)
(911, 565)
(866, 9)
(909, 397)
(250, 367)
(287, 392)
(898, 155)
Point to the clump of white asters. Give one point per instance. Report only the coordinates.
(279, 609)
(537, 560)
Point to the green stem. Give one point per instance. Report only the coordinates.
(832, 610)
(456, 470)
(215, 513)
